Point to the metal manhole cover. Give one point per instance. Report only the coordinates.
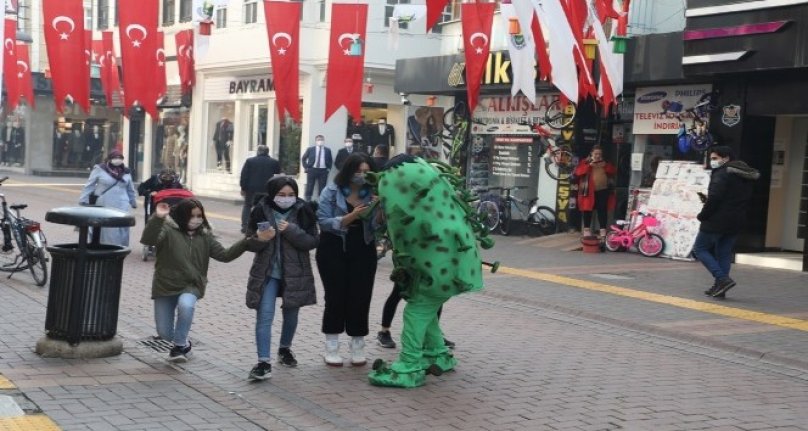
(613, 276)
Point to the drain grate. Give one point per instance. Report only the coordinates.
(157, 344)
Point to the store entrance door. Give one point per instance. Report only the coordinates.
(793, 183)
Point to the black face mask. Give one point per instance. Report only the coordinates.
(167, 181)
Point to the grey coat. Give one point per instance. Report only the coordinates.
(297, 284)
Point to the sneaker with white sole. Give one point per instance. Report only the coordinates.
(180, 354)
(332, 357)
(262, 371)
(385, 340)
(358, 351)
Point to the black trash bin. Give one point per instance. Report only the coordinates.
(85, 283)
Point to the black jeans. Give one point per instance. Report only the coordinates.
(390, 306)
(602, 207)
(347, 277)
(319, 175)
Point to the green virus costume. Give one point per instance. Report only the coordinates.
(434, 234)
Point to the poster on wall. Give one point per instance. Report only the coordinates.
(425, 135)
(657, 110)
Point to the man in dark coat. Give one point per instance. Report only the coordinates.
(343, 153)
(317, 163)
(723, 216)
(254, 176)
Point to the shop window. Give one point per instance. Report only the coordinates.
(81, 141)
(220, 128)
(250, 11)
(169, 10)
(12, 138)
(103, 14)
(170, 149)
(186, 10)
(258, 125)
(221, 17)
(388, 13)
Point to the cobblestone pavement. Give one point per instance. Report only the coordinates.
(534, 355)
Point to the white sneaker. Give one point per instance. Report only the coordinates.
(332, 357)
(358, 351)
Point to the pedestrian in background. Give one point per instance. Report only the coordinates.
(346, 258)
(184, 245)
(343, 153)
(281, 268)
(317, 164)
(723, 216)
(110, 185)
(256, 172)
(595, 190)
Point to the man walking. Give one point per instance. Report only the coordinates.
(254, 176)
(723, 216)
(317, 163)
(343, 153)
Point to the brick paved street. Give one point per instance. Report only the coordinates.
(534, 355)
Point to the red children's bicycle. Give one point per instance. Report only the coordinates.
(622, 237)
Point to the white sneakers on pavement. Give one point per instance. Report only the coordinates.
(358, 351)
(331, 356)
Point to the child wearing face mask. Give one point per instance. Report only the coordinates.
(184, 245)
(281, 268)
(110, 185)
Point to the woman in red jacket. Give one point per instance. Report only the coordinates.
(594, 189)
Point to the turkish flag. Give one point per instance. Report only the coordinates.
(160, 67)
(477, 21)
(110, 79)
(88, 53)
(434, 9)
(24, 74)
(185, 59)
(138, 35)
(64, 39)
(545, 67)
(10, 77)
(283, 29)
(345, 68)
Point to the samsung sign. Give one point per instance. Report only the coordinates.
(657, 110)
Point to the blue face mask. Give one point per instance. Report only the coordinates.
(359, 179)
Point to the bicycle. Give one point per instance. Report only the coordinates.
(559, 160)
(620, 238)
(698, 137)
(27, 234)
(559, 116)
(499, 214)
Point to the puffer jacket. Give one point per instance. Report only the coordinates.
(731, 188)
(181, 264)
(300, 237)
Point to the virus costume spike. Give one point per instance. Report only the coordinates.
(434, 234)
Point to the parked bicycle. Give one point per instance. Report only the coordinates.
(559, 160)
(622, 237)
(560, 116)
(29, 252)
(493, 214)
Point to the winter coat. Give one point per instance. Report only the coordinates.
(728, 196)
(257, 171)
(300, 236)
(586, 195)
(181, 264)
(112, 194)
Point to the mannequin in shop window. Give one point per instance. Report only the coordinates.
(181, 153)
(169, 146)
(76, 147)
(359, 132)
(223, 141)
(17, 143)
(95, 145)
(383, 134)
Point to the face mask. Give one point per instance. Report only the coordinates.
(194, 223)
(359, 179)
(715, 164)
(285, 202)
(349, 145)
(319, 143)
(167, 180)
(116, 162)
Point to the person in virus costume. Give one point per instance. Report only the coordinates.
(434, 234)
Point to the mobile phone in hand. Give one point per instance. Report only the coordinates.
(264, 225)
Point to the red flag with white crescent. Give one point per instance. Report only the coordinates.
(477, 21)
(283, 29)
(434, 10)
(10, 77)
(346, 58)
(185, 59)
(24, 74)
(64, 39)
(137, 21)
(88, 54)
(545, 67)
(160, 84)
(109, 68)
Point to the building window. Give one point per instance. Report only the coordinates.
(322, 10)
(221, 17)
(103, 14)
(169, 11)
(388, 13)
(88, 17)
(116, 12)
(186, 10)
(250, 11)
(24, 16)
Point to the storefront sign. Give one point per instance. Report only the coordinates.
(731, 115)
(507, 115)
(243, 86)
(657, 110)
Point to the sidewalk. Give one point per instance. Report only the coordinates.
(556, 341)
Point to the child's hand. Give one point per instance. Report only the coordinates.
(266, 235)
(161, 210)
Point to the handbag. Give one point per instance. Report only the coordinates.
(93, 198)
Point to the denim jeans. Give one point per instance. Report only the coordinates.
(265, 315)
(164, 315)
(714, 251)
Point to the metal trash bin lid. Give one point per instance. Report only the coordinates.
(90, 216)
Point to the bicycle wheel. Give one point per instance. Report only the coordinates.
(505, 219)
(37, 261)
(488, 214)
(560, 164)
(651, 245)
(544, 218)
(558, 116)
(613, 242)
